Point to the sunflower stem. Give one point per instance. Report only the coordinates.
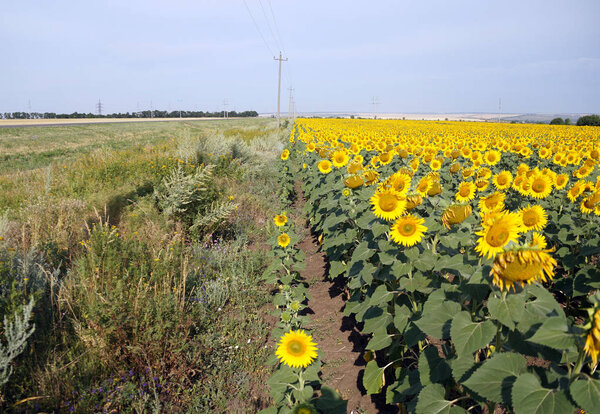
(578, 365)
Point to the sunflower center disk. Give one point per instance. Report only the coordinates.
(388, 203)
(497, 237)
(296, 348)
(408, 229)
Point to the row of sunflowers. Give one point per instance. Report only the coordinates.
(470, 251)
(295, 385)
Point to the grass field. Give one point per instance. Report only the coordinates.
(141, 247)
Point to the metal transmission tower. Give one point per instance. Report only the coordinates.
(499, 108)
(375, 103)
(279, 89)
(99, 107)
(225, 112)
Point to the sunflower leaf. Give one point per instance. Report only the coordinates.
(554, 333)
(529, 397)
(330, 401)
(587, 394)
(494, 378)
(469, 336)
(373, 379)
(507, 310)
(431, 401)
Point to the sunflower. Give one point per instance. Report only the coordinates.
(354, 181)
(454, 168)
(414, 164)
(424, 186)
(339, 158)
(502, 180)
(561, 181)
(455, 214)
(280, 219)
(575, 191)
(589, 203)
(436, 188)
(499, 228)
(592, 340)
(388, 204)
(371, 177)
(304, 408)
(482, 184)
(413, 200)
(466, 191)
(533, 218)
(493, 202)
(324, 166)
(296, 349)
(285, 154)
(435, 164)
(541, 186)
(467, 172)
(492, 157)
(523, 265)
(310, 147)
(484, 173)
(408, 230)
(538, 240)
(400, 182)
(283, 240)
(386, 157)
(354, 167)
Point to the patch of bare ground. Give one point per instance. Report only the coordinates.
(337, 336)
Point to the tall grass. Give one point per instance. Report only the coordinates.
(138, 309)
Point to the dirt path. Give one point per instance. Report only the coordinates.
(336, 335)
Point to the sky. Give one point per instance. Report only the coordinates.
(413, 56)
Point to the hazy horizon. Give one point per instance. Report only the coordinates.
(438, 57)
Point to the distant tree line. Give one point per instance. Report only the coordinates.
(592, 120)
(141, 114)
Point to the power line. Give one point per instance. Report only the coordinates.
(99, 107)
(258, 29)
(286, 70)
(279, 46)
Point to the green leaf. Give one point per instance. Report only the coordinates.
(507, 310)
(336, 268)
(418, 282)
(362, 252)
(432, 368)
(379, 228)
(401, 316)
(380, 340)
(469, 336)
(554, 333)
(436, 320)
(373, 379)
(493, 380)
(400, 269)
(463, 367)
(431, 401)
(586, 393)
(529, 397)
(330, 401)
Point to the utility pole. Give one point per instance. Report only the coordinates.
(279, 88)
(151, 110)
(499, 108)
(99, 107)
(225, 104)
(291, 103)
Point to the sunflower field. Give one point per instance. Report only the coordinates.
(470, 253)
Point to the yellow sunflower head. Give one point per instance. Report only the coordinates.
(354, 167)
(466, 191)
(533, 218)
(324, 166)
(435, 164)
(424, 186)
(408, 230)
(413, 200)
(540, 186)
(400, 182)
(388, 204)
(561, 181)
(493, 202)
(456, 214)
(285, 154)
(296, 349)
(304, 408)
(280, 219)
(492, 157)
(283, 240)
(339, 158)
(482, 184)
(503, 180)
(371, 177)
(592, 339)
(524, 264)
(499, 228)
(354, 181)
(436, 188)
(454, 168)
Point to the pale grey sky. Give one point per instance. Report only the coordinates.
(415, 56)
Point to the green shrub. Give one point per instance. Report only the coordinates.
(589, 120)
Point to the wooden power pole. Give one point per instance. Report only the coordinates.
(279, 89)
